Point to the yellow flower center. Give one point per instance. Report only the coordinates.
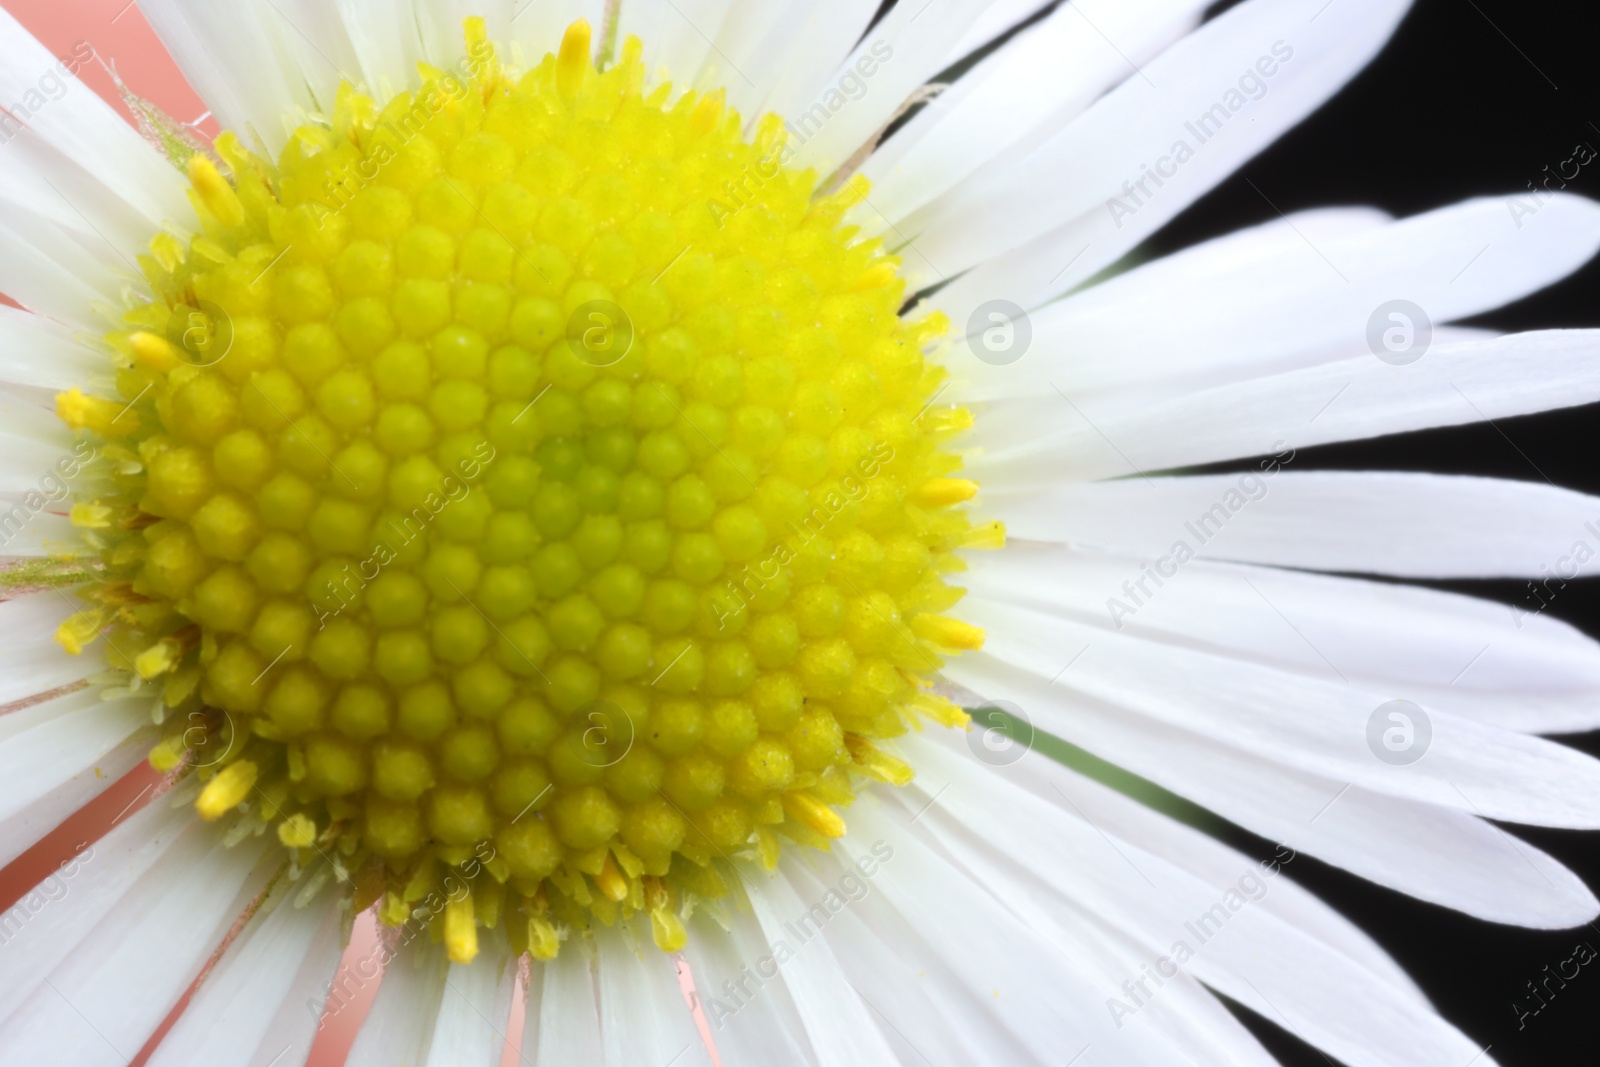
(528, 485)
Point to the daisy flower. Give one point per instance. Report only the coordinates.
(567, 493)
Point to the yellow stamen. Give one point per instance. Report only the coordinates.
(226, 790)
(989, 535)
(215, 192)
(877, 276)
(572, 64)
(105, 417)
(940, 710)
(159, 658)
(460, 930)
(94, 516)
(707, 112)
(611, 881)
(543, 941)
(154, 351)
(297, 831)
(876, 762)
(807, 810)
(943, 492)
(80, 630)
(948, 633)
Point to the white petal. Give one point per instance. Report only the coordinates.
(1378, 522)
(37, 351)
(238, 59)
(1308, 723)
(1450, 858)
(1248, 953)
(50, 744)
(1318, 49)
(32, 824)
(815, 54)
(999, 17)
(1112, 435)
(752, 1016)
(643, 1017)
(840, 1028)
(108, 994)
(1287, 294)
(476, 1010)
(1040, 80)
(52, 268)
(906, 48)
(399, 1027)
(566, 1028)
(947, 921)
(1515, 669)
(79, 127)
(230, 1020)
(31, 662)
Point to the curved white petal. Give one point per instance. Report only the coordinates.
(399, 1028)
(1287, 294)
(107, 995)
(52, 743)
(1311, 724)
(643, 1016)
(245, 1006)
(1040, 80)
(1085, 437)
(839, 1027)
(31, 662)
(1246, 952)
(1202, 82)
(815, 54)
(79, 128)
(906, 48)
(240, 59)
(1508, 667)
(475, 1012)
(1377, 522)
(563, 1016)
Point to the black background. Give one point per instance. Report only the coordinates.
(1470, 98)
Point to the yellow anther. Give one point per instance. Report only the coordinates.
(158, 659)
(168, 250)
(460, 930)
(877, 276)
(168, 753)
(394, 910)
(80, 630)
(91, 516)
(667, 929)
(947, 422)
(227, 790)
(943, 492)
(807, 810)
(543, 941)
(768, 846)
(105, 417)
(940, 710)
(708, 111)
(214, 191)
(298, 831)
(572, 64)
(989, 535)
(611, 881)
(948, 633)
(876, 762)
(154, 351)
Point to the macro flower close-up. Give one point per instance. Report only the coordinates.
(682, 532)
